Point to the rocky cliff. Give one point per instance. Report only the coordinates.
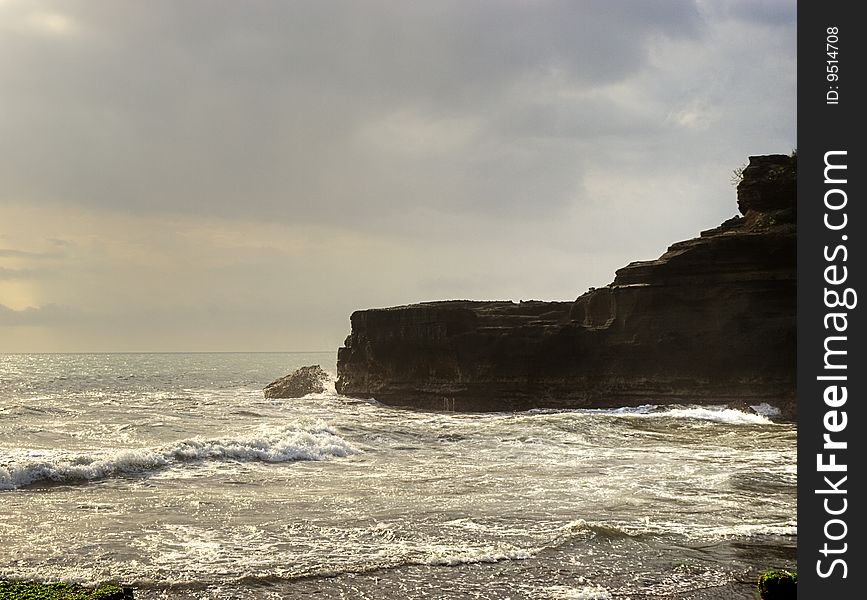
(710, 321)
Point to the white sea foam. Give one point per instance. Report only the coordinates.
(729, 416)
(691, 531)
(721, 414)
(583, 592)
(750, 530)
(450, 557)
(643, 409)
(289, 443)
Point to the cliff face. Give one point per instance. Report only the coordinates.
(710, 321)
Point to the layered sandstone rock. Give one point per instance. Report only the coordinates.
(710, 321)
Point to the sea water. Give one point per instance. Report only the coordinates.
(173, 474)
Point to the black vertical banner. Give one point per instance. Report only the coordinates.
(832, 364)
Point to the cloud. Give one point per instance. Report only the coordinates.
(26, 254)
(307, 110)
(18, 273)
(49, 314)
(768, 12)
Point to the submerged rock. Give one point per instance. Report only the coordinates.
(303, 381)
(711, 321)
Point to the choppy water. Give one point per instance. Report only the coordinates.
(172, 473)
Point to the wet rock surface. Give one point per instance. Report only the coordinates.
(303, 381)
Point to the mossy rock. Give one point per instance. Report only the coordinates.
(778, 584)
(31, 590)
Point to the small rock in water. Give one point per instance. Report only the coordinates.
(306, 380)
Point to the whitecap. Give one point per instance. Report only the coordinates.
(294, 442)
(719, 414)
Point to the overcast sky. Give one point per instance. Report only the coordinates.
(215, 175)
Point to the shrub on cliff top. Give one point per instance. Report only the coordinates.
(778, 584)
(31, 590)
(776, 173)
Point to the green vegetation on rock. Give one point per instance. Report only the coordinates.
(778, 584)
(31, 590)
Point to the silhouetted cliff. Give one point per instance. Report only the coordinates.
(710, 321)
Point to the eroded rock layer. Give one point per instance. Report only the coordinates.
(710, 321)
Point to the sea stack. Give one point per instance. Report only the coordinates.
(711, 321)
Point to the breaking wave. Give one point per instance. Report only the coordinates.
(270, 445)
(758, 416)
(720, 414)
(729, 416)
(450, 557)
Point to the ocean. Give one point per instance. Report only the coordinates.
(171, 473)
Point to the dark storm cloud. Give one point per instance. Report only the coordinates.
(261, 108)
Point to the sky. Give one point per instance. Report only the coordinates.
(207, 175)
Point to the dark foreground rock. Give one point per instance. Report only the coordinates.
(32, 590)
(306, 380)
(778, 584)
(710, 321)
